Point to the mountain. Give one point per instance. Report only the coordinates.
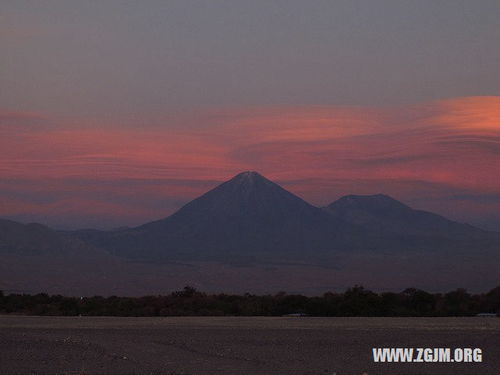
(399, 227)
(28, 238)
(386, 214)
(245, 218)
(37, 239)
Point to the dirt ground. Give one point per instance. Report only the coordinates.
(230, 345)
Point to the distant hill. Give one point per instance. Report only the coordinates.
(37, 239)
(385, 214)
(399, 228)
(29, 238)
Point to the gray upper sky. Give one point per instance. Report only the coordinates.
(120, 58)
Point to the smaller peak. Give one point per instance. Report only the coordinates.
(382, 197)
(374, 200)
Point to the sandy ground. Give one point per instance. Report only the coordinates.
(260, 346)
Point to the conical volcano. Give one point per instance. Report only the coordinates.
(245, 217)
(249, 202)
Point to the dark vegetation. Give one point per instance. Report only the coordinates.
(355, 301)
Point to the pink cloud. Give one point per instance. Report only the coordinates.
(316, 151)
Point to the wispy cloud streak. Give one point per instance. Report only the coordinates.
(125, 173)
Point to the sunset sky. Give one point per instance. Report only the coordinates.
(119, 112)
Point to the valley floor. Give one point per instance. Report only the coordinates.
(230, 345)
(107, 275)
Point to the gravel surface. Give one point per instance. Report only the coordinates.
(261, 346)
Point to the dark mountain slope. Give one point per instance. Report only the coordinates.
(28, 238)
(398, 228)
(383, 213)
(37, 239)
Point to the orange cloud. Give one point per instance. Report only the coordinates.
(476, 113)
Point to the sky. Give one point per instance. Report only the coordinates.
(119, 112)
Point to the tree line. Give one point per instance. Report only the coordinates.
(355, 301)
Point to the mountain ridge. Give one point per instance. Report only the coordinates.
(249, 218)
